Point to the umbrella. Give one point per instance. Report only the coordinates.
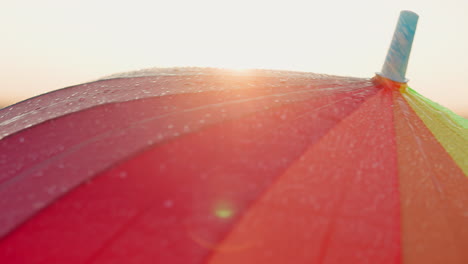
(191, 165)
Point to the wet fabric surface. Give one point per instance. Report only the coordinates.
(212, 166)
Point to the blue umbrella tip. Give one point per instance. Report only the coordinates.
(396, 62)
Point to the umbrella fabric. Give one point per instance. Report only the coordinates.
(216, 166)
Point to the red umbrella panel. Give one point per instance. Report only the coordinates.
(197, 165)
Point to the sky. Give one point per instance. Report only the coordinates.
(50, 44)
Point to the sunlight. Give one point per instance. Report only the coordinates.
(82, 42)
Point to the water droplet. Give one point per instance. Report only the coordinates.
(168, 203)
(21, 139)
(203, 176)
(63, 189)
(38, 205)
(38, 174)
(123, 175)
(51, 189)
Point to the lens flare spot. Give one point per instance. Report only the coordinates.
(224, 213)
(223, 210)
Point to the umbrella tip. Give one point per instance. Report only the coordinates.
(396, 62)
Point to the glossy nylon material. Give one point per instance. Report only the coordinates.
(169, 195)
(32, 174)
(146, 84)
(449, 129)
(434, 193)
(324, 211)
(442, 110)
(277, 170)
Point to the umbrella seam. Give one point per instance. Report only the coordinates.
(435, 182)
(32, 112)
(96, 137)
(276, 179)
(123, 229)
(25, 174)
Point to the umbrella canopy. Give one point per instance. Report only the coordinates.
(214, 166)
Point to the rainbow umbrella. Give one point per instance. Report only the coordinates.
(215, 166)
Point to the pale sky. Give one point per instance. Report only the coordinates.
(49, 44)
